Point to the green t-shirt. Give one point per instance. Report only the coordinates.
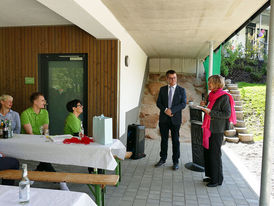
(72, 124)
(35, 120)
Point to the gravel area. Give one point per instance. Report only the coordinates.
(251, 157)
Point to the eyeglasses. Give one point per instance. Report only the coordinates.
(79, 105)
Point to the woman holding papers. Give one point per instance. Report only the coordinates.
(218, 113)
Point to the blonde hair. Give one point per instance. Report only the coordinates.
(217, 80)
(4, 97)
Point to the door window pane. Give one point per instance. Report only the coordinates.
(65, 84)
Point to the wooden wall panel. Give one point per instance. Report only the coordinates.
(19, 50)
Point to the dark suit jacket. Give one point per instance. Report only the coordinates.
(178, 103)
(220, 114)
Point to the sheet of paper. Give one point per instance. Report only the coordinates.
(59, 138)
(198, 106)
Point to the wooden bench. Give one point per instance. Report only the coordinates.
(99, 181)
(118, 170)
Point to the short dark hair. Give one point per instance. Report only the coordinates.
(35, 96)
(170, 72)
(72, 103)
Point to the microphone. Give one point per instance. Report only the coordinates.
(203, 96)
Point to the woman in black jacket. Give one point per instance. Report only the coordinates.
(218, 113)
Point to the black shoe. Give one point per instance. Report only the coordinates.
(175, 166)
(160, 163)
(207, 179)
(210, 184)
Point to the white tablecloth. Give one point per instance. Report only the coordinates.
(9, 196)
(39, 148)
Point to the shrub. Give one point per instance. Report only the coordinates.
(248, 68)
(243, 66)
(256, 76)
(229, 57)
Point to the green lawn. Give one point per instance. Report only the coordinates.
(253, 96)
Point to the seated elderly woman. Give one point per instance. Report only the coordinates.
(7, 163)
(7, 113)
(73, 123)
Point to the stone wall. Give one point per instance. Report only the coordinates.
(149, 113)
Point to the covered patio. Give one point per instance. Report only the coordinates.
(140, 30)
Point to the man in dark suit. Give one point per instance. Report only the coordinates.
(171, 101)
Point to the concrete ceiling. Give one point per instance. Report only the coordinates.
(27, 13)
(176, 28)
(50, 12)
(181, 27)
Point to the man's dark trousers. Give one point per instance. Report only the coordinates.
(164, 130)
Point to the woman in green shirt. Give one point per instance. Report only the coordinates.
(73, 123)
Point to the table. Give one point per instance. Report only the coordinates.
(39, 148)
(9, 196)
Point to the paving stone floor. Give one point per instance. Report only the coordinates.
(144, 185)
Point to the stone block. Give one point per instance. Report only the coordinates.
(241, 130)
(141, 115)
(199, 83)
(238, 103)
(152, 133)
(149, 109)
(232, 86)
(149, 99)
(234, 92)
(239, 115)
(227, 81)
(232, 139)
(154, 87)
(150, 121)
(240, 123)
(236, 97)
(246, 137)
(162, 78)
(180, 76)
(230, 133)
(238, 108)
(154, 77)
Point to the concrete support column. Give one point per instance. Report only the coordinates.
(265, 193)
(210, 63)
(260, 28)
(197, 68)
